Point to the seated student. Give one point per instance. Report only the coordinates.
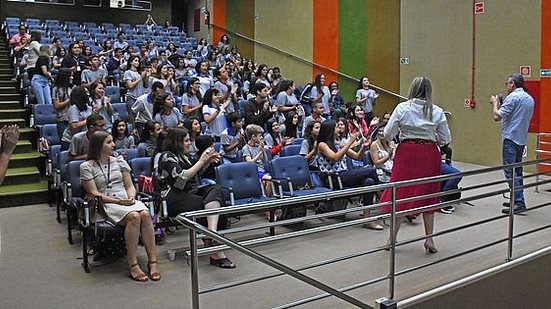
(78, 112)
(308, 148)
(232, 138)
(226, 87)
(292, 125)
(450, 184)
(205, 142)
(331, 158)
(94, 73)
(273, 139)
(258, 109)
(357, 123)
(194, 129)
(382, 155)
(61, 94)
(192, 105)
(177, 173)
(148, 141)
(108, 178)
(78, 148)
(317, 112)
(214, 112)
(121, 137)
(143, 107)
(101, 103)
(165, 113)
(254, 152)
(15, 40)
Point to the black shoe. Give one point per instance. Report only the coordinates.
(506, 204)
(516, 210)
(447, 210)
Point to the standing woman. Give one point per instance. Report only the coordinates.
(214, 113)
(320, 93)
(177, 171)
(224, 44)
(101, 103)
(40, 82)
(108, 178)
(61, 99)
(422, 127)
(331, 159)
(167, 78)
(261, 76)
(366, 97)
(205, 79)
(203, 48)
(136, 82)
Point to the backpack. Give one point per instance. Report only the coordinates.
(305, 94)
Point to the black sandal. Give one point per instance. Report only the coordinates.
(222, 263)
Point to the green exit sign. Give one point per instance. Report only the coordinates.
(545, 73)
(404, 60)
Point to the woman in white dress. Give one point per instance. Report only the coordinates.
(108, 178)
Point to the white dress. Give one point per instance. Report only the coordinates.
(109, 182)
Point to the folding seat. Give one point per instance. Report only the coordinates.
(124, 26)
(36, 28)
(294, 176)
(121, 110)
(46, 40)
(32, 21)
(157, 28)
(290, 150)
(43, 114)
(52, 22)
(66, 41)
(80, 35)
(241, 180)
(101, 37)
(89, 42)
(298, 141)
(107, 26)
(88, 25)
(95, 49)
(13, 21)
(58, 33)
(72, 24)
(132, 43)
(94, 31)
(54, 28)
(60, 175)
(114, 93)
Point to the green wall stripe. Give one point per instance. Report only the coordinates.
(352, 43)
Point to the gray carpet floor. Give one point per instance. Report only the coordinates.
(39, 269)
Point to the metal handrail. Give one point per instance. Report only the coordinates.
(188, 220)
(281, 51)
(540, 151)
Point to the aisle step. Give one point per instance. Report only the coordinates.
(10, 104)
(21, 175)
(9, 96)
(23, 146)
(8, 90)
(20, 122)
(24, 194)
(33, 158)
(12, 113)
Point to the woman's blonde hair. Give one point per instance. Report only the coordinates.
(44, 50)
(421, 89)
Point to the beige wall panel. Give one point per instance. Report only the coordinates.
(204, 33)
(287, 25)
(437, 37)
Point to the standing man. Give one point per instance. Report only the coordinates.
(515, 113)
(75, 62)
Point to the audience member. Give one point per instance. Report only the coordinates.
(273, 139)
(78, 148)
(309, 146)
(79, 110)
(148, 139)
(101, 103)
(205, 79)
(15, 40)
(143, 106)
(108, 178)
(165, 113)
(9, 135)
(42, 76)
(258, 109)
(192, 100)
(382, 155)
(254, 151)
(94, 73)
(320, 94)
(182, 190)
(365, 97)
(61, 99)
(33, 52)
(291, 125)
(193, 126)
(121, 137)
(232, 138)
(75, 61)
(214, 112)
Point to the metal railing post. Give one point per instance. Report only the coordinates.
(512, 189)
(194, 268)
(537, 164)
(392, 258)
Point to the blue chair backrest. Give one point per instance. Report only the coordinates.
(114, 93)
(44, 113)
(73, 176)
(298, 141)
(62, 163)
(72, 24)
(141, 166)
(291, 150)
(120, 108)
(128, 153)
(241, 177)
(32, 21)
(293, 167)
(53, 154)
(49, 132)
(217, 146)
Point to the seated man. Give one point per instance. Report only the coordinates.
(95, 73)
(15, 40)
(78, 148)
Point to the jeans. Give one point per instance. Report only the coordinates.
(41, 89)
(450, 184)
(512, 153)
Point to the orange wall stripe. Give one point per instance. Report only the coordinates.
(218, 19)
(326, 38)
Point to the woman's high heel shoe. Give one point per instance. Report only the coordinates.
(430, 249)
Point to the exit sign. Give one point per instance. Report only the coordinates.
(479, 8)
(404, 61)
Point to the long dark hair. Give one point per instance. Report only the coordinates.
(190, 82)
(327, 134)
(63, 78)
(95, 145)
(130, 60)
(290, 128)
(174, 140)
(159, 103)
(317, 82)
(269, 125)
(259, 70)
(308, 133)
(208, 95)
(188, 123)
(115, 131)
(79, 98)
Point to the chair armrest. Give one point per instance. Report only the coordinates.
(279, 181)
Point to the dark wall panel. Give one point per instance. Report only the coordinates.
(161, 11)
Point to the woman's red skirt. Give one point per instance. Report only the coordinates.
(413, 161)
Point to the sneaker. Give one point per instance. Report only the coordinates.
(447, 210)
(518, 209)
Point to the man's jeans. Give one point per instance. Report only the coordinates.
(512, 153)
